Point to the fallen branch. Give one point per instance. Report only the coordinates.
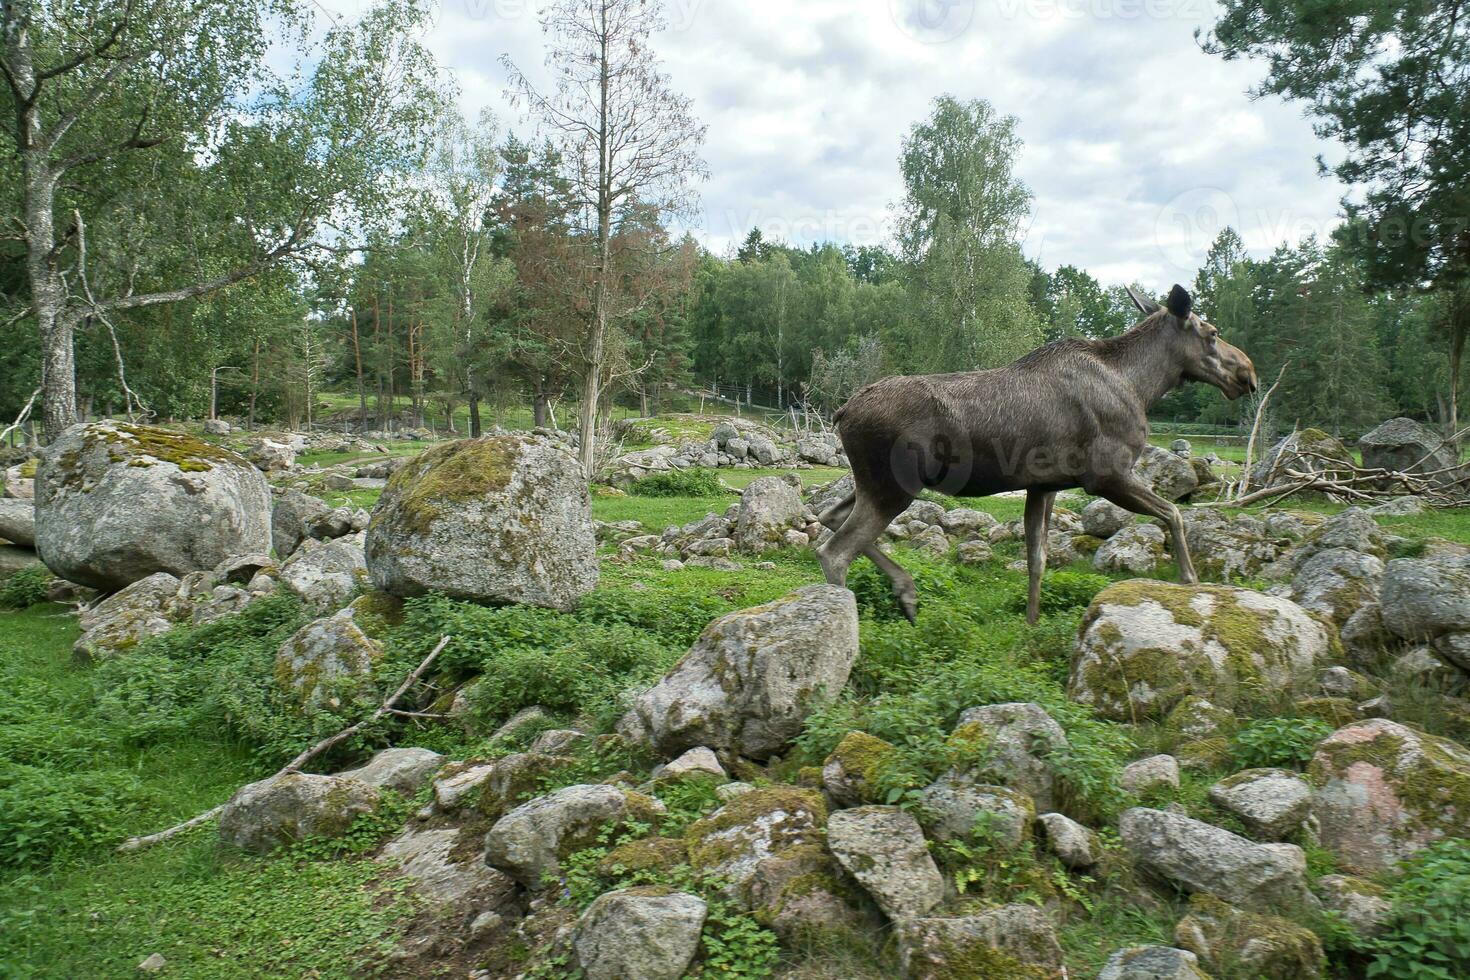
(1250, 446)
(386, 708)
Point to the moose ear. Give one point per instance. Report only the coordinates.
(1180, 302)
(1145, 306)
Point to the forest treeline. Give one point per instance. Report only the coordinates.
(451, 261)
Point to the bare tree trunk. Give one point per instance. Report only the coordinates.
(539, 414)
(254, 381)
(361, 388)
(597, 341)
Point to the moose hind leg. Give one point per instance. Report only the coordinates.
(1140, 499)
(858, 531)
(1038, 509)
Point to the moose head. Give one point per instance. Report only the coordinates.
(1202, 354)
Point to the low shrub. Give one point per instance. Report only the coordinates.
(1430, 938)
(1278, 742)
(25, 588)
(693, 482)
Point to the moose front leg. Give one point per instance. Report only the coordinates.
(1038, 516)
(1132, 495)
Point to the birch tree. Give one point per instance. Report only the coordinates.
(625, 137)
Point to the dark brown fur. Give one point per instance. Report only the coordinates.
(1070, 414)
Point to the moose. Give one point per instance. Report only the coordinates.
(1073, 413)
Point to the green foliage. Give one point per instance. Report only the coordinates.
(1278, 742)
(25, 588)
(1064, 590)
(1430, 939)
(693, 482)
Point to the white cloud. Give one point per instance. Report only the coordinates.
(1138, 144)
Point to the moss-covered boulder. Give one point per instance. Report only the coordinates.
(1137, 549)
(801, 894)
(850, 774)
(749, 682)
(1234, 943)
(532, 840)
(498, 519)
(117, 624)
(327, 661)
(1225, 547)
(1307, 451)
(325, 574)
(650, 933)
(1384, 791)
(1013, 942)
(1146, 645)
(117, 502)
(1015, 741)
(1336, 583)
(291, 807)
(733, 841)
(769, 507)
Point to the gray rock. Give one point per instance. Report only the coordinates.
(1203, 858)
(292, 807)
(754, 825)
(528, 842)
(1362, 904)
(1305, 451)
(272, 456)
(1272, 803)
(643, 933)
(325, 574)
(966, 522)
(1152, 963)
(1180, 447)
(723, 432)
(973, 552)
(931, 540)
(697, 761)
(430, 859)
(326, 659)
(934, 948)
(748, 684)
(291, 513)
(1403, 445)
(1019, 736)
(524, 495)
(1073, 844)
(1168, 475)
(763, 450)
(1103, 518)
(153, 964)
(123, 620)
(457, 782)
(1224, 547)
(769, 507)
(18, 521)
(1147, 774)
(334, 523)
(1337, 583)
(117, 502)
(404, 770)
(1352, 530)
(217, 427)
(1398, 507)
(737, 447)
(1424, 598)
(953, 803)
(883, 848)
(1137, 549)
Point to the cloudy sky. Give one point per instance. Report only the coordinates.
(1139, 146)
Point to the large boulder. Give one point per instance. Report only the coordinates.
(1137, 549)
(1146, 645)
(18, 521)
(291, 807)
(748, 684)
(120, 622)
(1199, 857)
(1013, 941)
(769, 507)
(326, 660)
(117, 502)
(1272, 803)
(1017, 738)
(1384, 791)
(734, 842)
(531, 840)
(1428, 600)
(1237, 943)
(290, 516)
(1304, 451)
(1224, 547)
(1404, 446)
(884, 849)
(1166, 473)
(1336, 583)
(649, 933)
(325, 574)
(498, 519)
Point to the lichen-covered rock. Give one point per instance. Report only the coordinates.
(1103, 518)
(1200, 857)
(769, 507)
(966, 522)
(272, 456)
(403, 770)
(325, 574)
(1154, 772)
(952, 804)
(801, 891)
(697, 762)
(1152, 963)
(1224, 547)
(18, 521)
(1146, 645)
(459, 782)
(1137, 549)
(850, 773)
(973, 552)
(1013, 942)
(1272, 803)
(733, 841)
(531, 840)
(1170, 477)
(1352, 530)
(443, 872)
(327, 659)
(1073, 844)
(291, 807)
(884, 849)
(290, 515)
(117, 502)
(1426, 598)
(1403, 445)
(1304, 451)
(1384, 791)
(498, 519)
(1233, 942)
(512, 778)
(1195, 718)
(1015, 739)
(752, 678)
(1362, 904)
(648, 933)
(120, 622)
(1337, 583)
